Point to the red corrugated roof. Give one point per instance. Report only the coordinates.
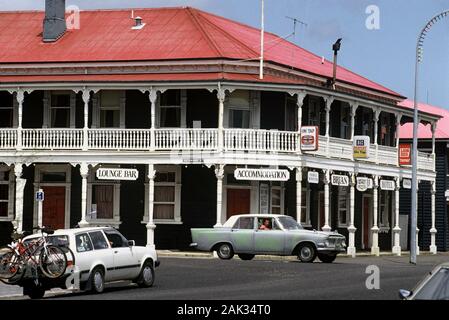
(424, 132)
(170, 33)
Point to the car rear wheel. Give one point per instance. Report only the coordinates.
(306, 253)
(246, 256)
(327, 258)
(97, 281)
(146, 277)
(225, 251)
(34, 291)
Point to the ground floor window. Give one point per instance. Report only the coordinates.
(276, 200)
(305, 211)
(6, 195)
(167, 195)
(103, 201)
(343, 207)
(384, 209)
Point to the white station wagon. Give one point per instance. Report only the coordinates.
(98, 255)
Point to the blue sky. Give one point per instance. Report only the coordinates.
(386, 55)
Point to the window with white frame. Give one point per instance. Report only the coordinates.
(170, 109)
(384, 209)
(60, 109)
(167, 195)
(276, 200)
(103, 205)
(239, 109)
(6, 110)
(343, 207)
(6, 195)
(110, 109)
(305, 212)
(345, 121)
(317, 114)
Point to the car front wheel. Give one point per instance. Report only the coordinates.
(146, 277)
(225, 251)
(306, 253)
(327, 258)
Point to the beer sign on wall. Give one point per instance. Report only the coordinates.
(361, 146)
(388, 185)
(405, 154)
(309, 138)
(338, 180)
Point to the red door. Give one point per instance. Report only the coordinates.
(238, 201)
(53, 209)
(366, 217)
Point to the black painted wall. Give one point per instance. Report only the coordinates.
(202, 105)
(33, 107)
(137, 110)
(272, 110)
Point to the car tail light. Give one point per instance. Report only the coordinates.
(69, 263)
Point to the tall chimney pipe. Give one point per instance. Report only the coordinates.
(336, 47)
(54, 22)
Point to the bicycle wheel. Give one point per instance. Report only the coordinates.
(10, 263)
(53, 262)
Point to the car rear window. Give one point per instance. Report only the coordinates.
(246, 223)
(98, 240)
(83, 243)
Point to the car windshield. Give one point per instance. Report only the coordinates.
(437, 288)
(289, 223)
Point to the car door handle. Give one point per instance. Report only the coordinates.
(115, 251)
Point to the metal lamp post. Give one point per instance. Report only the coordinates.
(419, 59)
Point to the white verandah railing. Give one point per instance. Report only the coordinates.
(8, 138)
(261, 140)
(52, 139)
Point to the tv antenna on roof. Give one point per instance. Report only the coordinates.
(295, 23)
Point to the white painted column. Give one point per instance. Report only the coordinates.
(329, 102)
(352, 229)
(433, 230)
(20, 97)
(298, 193)
(221, 95)
(150, 225)
(153, 100)
(86, 99)
(20, 187)
(354, 107)
(375, 229)
(219, 173)
(326, 226)
(397, 230)
(376, 133)
(433, 129)
(398, 129)
(84, 172)
(300, 96)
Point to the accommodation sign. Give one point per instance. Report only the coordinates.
(309, 138)
(338, 180)
(117, 174)
(361, 147)
(262, 174)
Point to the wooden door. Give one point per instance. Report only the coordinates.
(238, 202)
(366, 222)
(53, 209)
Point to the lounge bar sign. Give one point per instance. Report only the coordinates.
(405, 152)
(262, 174)
(388, 185)
(361, 147)
(338, 180)
(309, 138)
(117, 174)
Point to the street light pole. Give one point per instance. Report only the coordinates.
(419, 59)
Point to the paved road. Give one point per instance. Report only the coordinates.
(189, 278)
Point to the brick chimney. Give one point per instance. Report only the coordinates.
(54, 22)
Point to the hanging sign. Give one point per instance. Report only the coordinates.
(405, 152)
(117, 174)
(388, 185)
(407, 183)
(338, 180)
(262, 174)
(361, 146)
(370, 183)
(362, 184)
(313, 177)
(309, 138)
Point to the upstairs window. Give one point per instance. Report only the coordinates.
(60, 109)
(6, 110)
(239, 109)
(110, 109)
(170, 109)
(317, 114)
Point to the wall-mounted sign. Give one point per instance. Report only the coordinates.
(262, 174)
(388, 185)
(341, 181)
(309, 138)
(313, 177)
(362, 184)
(406, 183)
(117, 174)
(361, 146)
(405, 154)
(40, 196)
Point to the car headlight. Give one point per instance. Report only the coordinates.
(327, 243)
(343, 243)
